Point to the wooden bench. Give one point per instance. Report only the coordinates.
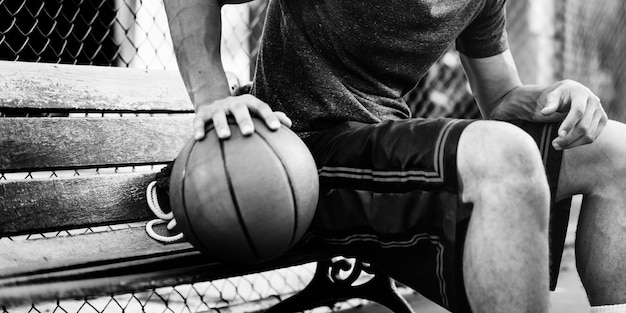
(40, 134)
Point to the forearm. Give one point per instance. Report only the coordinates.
(522, 102)
(195, 26)
(501, 96)
(499, 92)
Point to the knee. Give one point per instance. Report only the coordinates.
(500, 157)
(499, 150)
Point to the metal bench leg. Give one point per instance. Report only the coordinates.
(327, 288)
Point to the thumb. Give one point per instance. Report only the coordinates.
(553, 101)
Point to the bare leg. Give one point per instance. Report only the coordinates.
(505, 261)
(598, 171)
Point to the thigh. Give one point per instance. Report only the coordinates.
(596, 165)
(391, 156)
(388, 194)
(403, 162)
(388, 177)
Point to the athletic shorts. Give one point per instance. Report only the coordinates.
(389, 196)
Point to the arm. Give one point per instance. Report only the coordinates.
(501, 95)
(196, 26)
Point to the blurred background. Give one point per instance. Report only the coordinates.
(550, 40)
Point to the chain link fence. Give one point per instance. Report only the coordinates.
(250, 293)
(126, 33)
(593, 48)
(550, 40)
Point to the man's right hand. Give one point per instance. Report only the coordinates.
(241, 108)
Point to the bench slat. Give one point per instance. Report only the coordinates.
(44, 256)
(51, 87)
(43, 143)
(186, 269)
(40, 205)
(102, 264)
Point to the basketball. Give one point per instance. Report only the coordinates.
(246, 199)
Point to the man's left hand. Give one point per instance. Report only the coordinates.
(585, 118)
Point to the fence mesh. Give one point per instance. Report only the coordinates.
(593, 46)
(245, 293)
(550, 40)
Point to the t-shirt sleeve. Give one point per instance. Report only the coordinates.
(486, 34)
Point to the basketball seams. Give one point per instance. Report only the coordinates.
(226, 198)
(291, 188)
(233, 196)
(194, 236)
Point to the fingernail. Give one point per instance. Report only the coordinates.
(274, 124)
(222, 133)
(556, 146)
(562, 133)
(246, 129)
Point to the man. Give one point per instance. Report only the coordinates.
(456, 209)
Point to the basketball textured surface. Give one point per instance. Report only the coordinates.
(246, 199)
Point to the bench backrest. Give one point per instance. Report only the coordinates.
(68, 143)
(78, 147)
(119, 124)
(59, 119)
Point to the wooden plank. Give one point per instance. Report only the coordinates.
(44, 256)
(79, 87)
(43, 143)
(40, 205)
(186, 269)
(105, 263)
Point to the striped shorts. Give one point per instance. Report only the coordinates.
(389, 196)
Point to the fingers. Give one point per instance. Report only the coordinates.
(242, 116)
(220, 123)
(578, 107)
(584, 118)
(263, 110)
(282, 117)
(198, 127)
(241, 108)
(579, 132)
(586, 130)
(553, 102)
(207, 114)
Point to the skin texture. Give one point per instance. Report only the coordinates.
(598, 171)
(501, 96)
(592, 165)
(510, 199)
(195, 26)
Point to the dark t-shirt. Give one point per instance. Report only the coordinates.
(327, 61)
